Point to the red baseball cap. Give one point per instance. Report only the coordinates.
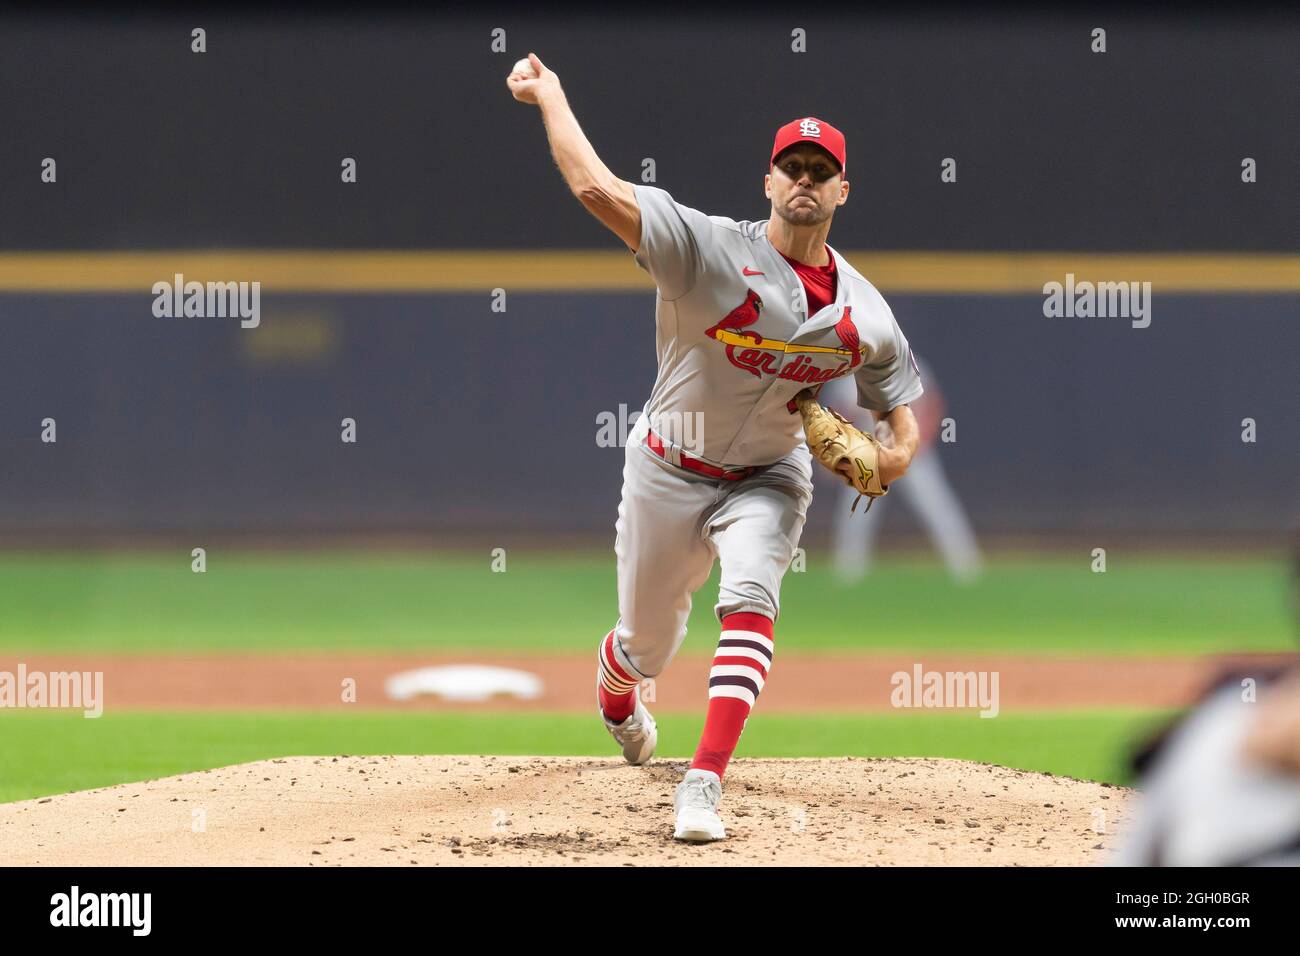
(810, 130)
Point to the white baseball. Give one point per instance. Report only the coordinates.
(525, 67)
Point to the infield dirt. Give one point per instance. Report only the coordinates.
(804, 683)
(566, 811)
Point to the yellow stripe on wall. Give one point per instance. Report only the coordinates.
(613, 271)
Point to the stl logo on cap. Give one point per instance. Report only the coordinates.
(798, 131)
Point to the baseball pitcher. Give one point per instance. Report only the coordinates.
(752, 318)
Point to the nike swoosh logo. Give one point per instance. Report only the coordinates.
(749, 272)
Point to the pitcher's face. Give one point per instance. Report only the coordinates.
(805, 186)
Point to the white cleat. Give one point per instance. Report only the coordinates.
(697, 799)
(637, 735)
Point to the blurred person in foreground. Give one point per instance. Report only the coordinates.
(1221, 787)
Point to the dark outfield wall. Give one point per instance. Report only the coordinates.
(469, 420)
(1057, 147)
(1061, 425)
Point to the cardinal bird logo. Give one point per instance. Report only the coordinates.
(747, 349)
(736, 320)
(848, 336)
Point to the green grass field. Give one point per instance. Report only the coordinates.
(364, 601)
(372, 602)
(47, 753)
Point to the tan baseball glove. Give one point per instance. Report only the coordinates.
(841, 446)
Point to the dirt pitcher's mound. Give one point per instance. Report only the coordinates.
(456, 810)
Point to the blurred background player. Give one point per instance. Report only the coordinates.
(926, 493)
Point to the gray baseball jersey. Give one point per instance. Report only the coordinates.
(735, 342)
(734, 348)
